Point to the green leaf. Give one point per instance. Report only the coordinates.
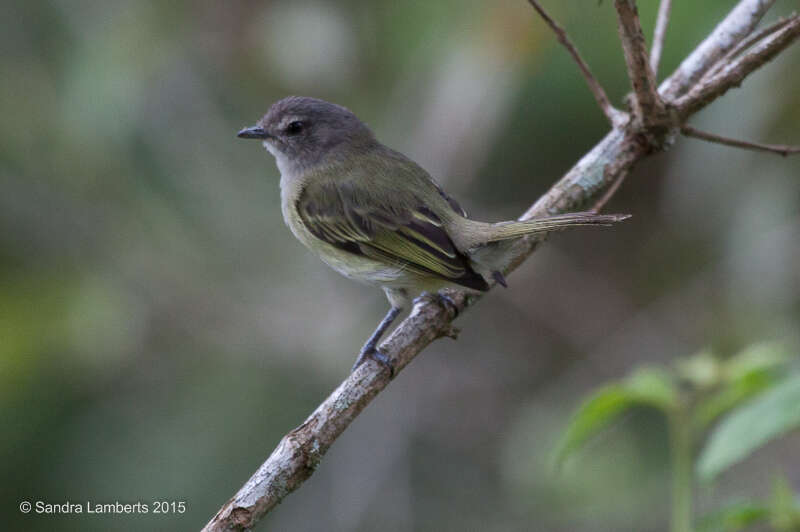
(731, 395)
(747, 428)
(756, 358)
(596, 411)
(647, 387)
(784, 509)
(744, 375)
(653, 387)
(733, 517)
(781, 511)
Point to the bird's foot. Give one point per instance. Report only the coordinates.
(377, 356)
(447, 302)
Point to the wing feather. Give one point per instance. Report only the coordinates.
(402, 233)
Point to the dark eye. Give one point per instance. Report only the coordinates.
(295, 127)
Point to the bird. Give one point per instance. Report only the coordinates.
(375, 216)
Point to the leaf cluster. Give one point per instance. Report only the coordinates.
(733, 406)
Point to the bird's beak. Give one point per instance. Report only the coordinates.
(255, 132)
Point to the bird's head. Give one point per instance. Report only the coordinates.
(302, 132)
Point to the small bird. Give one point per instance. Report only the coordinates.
(376, 216)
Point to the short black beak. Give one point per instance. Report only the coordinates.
(254, 132)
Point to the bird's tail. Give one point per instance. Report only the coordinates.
(509, 230)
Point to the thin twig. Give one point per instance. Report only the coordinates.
(754, 38)
(744, 45)
(647, 104)
(659, 34)
(734, 73)
(615, 116)
(739, 23)
(780, 149)
(606, 197)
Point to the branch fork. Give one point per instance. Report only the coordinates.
(646, 105)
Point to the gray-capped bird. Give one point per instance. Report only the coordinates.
(376, 216)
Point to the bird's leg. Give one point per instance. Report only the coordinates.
(370, 348)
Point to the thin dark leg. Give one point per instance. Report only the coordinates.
(370, 348)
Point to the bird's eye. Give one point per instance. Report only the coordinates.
(295, 127)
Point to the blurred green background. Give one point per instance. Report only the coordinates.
(160, 328)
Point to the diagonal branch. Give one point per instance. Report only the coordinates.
(744, 45)
(615, 117)
(300, 451)
(734, 73)
(739, 23)
(647, 104)
(759, 35)
(600, 170)
(659, 34)
(780, 149)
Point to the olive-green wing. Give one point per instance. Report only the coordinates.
(399, 230)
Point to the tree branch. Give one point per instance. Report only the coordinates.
(615, 116)
(734, 73)
(739, 23)
(781, 149)
(744, 45)
(300, 451)
(647, 105)
(659, 34)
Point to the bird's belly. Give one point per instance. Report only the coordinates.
(363, 269)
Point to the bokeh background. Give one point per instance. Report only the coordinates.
(160, 328)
